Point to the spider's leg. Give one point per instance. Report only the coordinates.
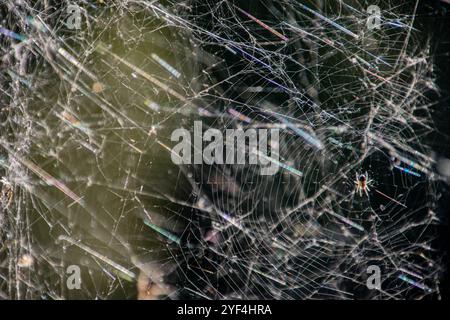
(367, 193)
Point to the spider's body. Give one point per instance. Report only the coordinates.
(6, 194)
(362, 184)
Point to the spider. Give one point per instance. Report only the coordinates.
(6, 193)
(362, 184)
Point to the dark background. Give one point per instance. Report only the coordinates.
(435, 17)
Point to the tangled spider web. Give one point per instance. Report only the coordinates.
(87, 117)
